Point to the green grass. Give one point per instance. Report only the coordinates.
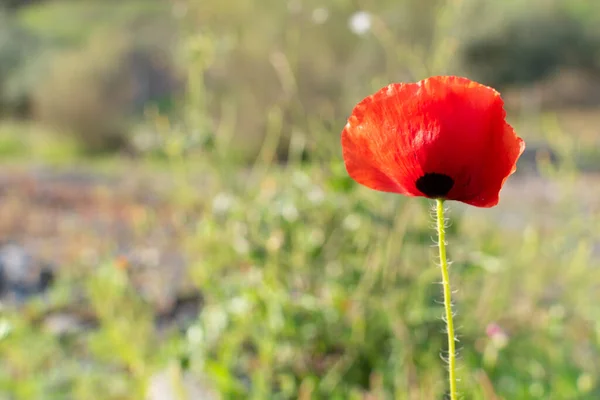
(313, 287)
(31, 143)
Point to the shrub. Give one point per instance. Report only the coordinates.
(87, 93)
(94, 92)
(527, 46)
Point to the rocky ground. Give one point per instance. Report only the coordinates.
(66, 223)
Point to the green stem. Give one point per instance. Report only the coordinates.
(441, 229)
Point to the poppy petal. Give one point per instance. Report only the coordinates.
(443, 137)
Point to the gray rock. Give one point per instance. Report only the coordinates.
(16, 264)
(21, 274)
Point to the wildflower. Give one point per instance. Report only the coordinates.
(360, 22)
(444, 137)
(498, 336)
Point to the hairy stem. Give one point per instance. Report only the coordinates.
(441, 230)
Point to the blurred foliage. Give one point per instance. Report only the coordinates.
(313, 287)
(17, 46)
(71, 23)
(527, 44)
(325, 290)
(87, 94)
(87, 68)
(11, 4)
(300, 59)
(317, 288)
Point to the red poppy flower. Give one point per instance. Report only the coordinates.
(444, 137)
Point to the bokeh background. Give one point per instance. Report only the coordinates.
(176, 220)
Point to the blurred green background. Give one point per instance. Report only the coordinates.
(176, 221)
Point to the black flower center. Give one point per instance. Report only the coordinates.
(434, 185)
